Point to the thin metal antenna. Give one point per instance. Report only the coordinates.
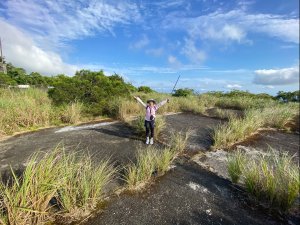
(175, 84)
(1, 56)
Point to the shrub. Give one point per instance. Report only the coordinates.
(145, 89)
(183, 92)
(94, 89)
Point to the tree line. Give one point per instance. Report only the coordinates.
(94, 87)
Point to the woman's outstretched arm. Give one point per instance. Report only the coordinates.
(140, 101)
(162, 103)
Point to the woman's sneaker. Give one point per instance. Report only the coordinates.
(147, 141)
(151, 141)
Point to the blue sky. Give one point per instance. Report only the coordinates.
(214, 45)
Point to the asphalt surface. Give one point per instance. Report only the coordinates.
(201, 128)
(105, 140)
(187, 195)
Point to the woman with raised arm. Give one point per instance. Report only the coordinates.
(151, 108)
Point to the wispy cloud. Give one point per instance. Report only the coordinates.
(174, 62)
(277, 76)
(140, 43)
(196, 55)
(155, 51)
(56, 22)
(234, 25)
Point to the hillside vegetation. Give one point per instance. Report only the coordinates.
(90, 94)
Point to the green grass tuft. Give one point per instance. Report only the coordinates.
(272, 177)
(235, 165)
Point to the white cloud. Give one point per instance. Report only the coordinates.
(233, 86)
(270, 86)
(234, 25)
(155, 51)
(141, 43)
(196, 55)
(20, 49)
(54, 22)
(277, 76)
(174, 62)
(50, 25)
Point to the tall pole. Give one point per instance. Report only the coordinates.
(1, 56)
(175, 84)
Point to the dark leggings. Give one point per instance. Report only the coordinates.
(150, 128)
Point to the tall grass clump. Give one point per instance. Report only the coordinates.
(84, 184)
(235, 165)
(25, 199)
(29, 109)
(164, 160)
(71, 113)
(70, 180)
(238, 129)
(23, 109)
(179, 140)
(128, 108)
(225, 113)
(272, 178)
(152, 161)
(279, 115)
(139, 174)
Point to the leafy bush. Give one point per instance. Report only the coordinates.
(288, 96)
(183, 92)
(145, 89)
(94, 89)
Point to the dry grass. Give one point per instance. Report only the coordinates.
(23, 110)
(30, 109)
(238, 129)
(71, 113)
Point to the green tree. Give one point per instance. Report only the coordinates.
(6, 80)
(288, 96)
(94, 89)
